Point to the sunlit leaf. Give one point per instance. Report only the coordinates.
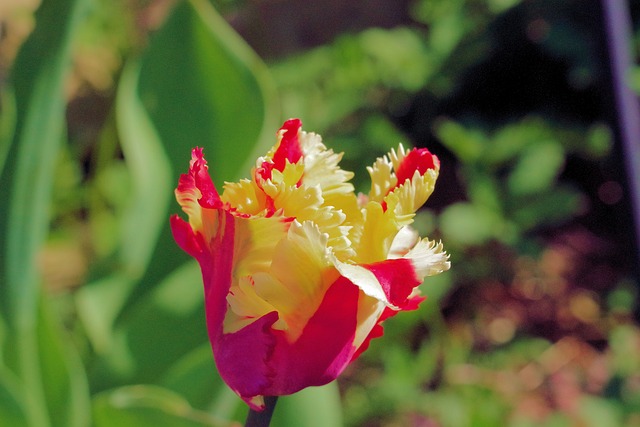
(148, 406)
(203, 86)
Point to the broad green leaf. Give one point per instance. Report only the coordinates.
(196, 379)
(100, 302)
(159, 331)
(148, 406)
(197, 84)
(311, 407)
(11, 407)
(38, 78)
(203, 86)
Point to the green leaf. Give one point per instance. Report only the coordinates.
(599, 412)
(311, 407)
(470, 224)
(467, 144)
(548, 208)
(26, 179)
(197, 84)
(7, 124)
(203, 86)
(163, 327)
(11, 407)
(63, 376)
(537, 168)
(100, 302)
(148, 406)
(195, 378)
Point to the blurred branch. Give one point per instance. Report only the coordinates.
(618, 33)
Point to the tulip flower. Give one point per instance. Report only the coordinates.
(299, 272)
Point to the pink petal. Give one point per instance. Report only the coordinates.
(242, 358)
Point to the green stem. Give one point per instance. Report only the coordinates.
(263, 418)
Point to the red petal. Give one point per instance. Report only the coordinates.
(217, 266)
(418, 159)
(289, 148)
(185, 237)
(397, 278)
(378, 330)
(258, 360)
(200, 172)
(325, 347)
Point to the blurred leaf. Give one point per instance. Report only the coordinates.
(7, 124)
(599, 141)
(599, 412)
(311, 407)
(38, 78)
(537, 168)
(147, 406)
(468, 224)
(63, 375)
(508, 142)
(197, 84)
(468, 145)
(11, 408)
(195, 378)
(101, 301)
(625, 359)
(549, 208)
(158, 331)
(484, 189)
(203, 86)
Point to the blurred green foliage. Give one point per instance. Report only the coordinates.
(101, 314)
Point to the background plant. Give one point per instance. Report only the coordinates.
(101, 102)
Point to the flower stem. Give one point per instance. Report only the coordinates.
(262, 419)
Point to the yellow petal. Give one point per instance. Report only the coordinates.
(244, 196)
